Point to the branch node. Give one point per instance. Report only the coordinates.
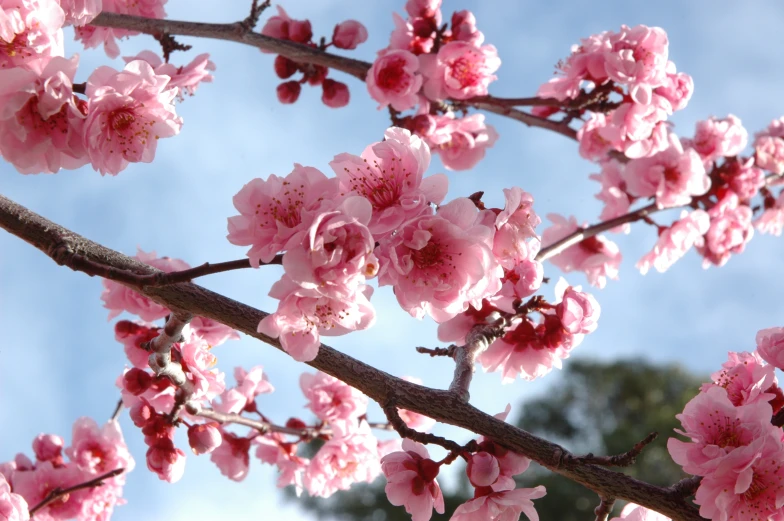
(619, 460)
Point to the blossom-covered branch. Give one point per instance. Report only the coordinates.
(58, 493)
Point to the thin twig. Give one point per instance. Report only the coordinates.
(423, 437)
(605, 507)
(117, 410)
(56, 493)
(620, 460)
(438, 351)
(161, 362)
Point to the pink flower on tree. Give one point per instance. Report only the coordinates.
(349, 34)
(98, 450)
(49, 447)
(272, 211)
(516, 224)
(509, 463)
(332, 400)
(335, 94)
(252, 383)
(127, 113)
(675, 241)
(673, 176)
(286, 28)
(613, 194)
(232, 456)
(441, 264)
(772, 219)
(730, 230)
(186, 78)
(770, 346)
(405, 37)
(36, 484)
(461, 142)
(13, 507)
(411, 481)
(118, 298)
(204, 437)
(634, 512)
(166, 460)
(459, 71)
(638, 130)
(42, 122)
(132, 335)
(464, 28)
(638, 58)
(598, 257)
(577, 311)
(746, 377)
(212, 332)
(92, 36)
(30, 33)
(504, 504)
(81, 12)
(769, 153)
(424, 8)
(677, 88)
(593, 145)
(304, 314)
(742, 177)
(389, 175)
(482, 469)
(394, 79)
(715, 138)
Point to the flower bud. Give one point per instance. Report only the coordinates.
(48, 447)
(204, 437)
(482, 469)
(136, 381)
(349, 34)
(288, 92)
(284, 67)
(335, 94)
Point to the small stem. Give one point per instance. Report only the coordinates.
(422, 437)
(59, 492)
(117, 410)
(477, 341)
(620, 460)
(438, 351)
(605, 507)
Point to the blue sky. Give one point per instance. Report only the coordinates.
(59, 360)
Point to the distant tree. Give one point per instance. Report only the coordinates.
(598, 407)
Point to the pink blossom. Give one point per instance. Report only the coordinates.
(673, 176)
(272, 450)
(212, 332)
(272, 211)
(166, 460)
(456, 329)
(13, 507)
(577, 311)
(30, 33)
(232, 456)
(41, 122)
(638, 58)
(118, 298)
(586, 63)
(198, 361)
(509, 463)
(99, 449)
(424, 8)
(304, 314)
(394, 79)
(593, 145)
(515, 227)
(459, 71)
(277, 26)
(349, 34)
(389, 175)
(769, 153)
(186, 78)
(597, 256)
(464, 28)
(333, 400)
(461, 142)
(252, 383)
(288, 92)
(414, 420)
(334, 93)
(677, 88)
(132, 336)
(411, 481)
(675, 241)
(335, 254)
(770, 346)
(441, 264)
(716, 427)
(742, 177)
(748, 483)
(49, 447)
(81, 12)
(348, 458)
(772, 219)
(127, 113)
(634, 512)
(613, 194)
(746, 378)
(730, 230)
(715, 138)
(638, 130)
(482, 469)
(404, 37)
(92, 36)
(35, 484)
(502, 505)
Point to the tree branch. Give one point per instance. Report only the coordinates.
(620, 460)
(161, 360)
(56, 493)
(440, 405)
(477, 341)
(605, 507)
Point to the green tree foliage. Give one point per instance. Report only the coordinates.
(598, 407)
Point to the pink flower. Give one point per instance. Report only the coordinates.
(286, 28)
(770, 346)
(441, 264)
(482, 469)
(638, 58)
(748, 484)
(464, 28)
(186, 78)
(742, 177)
(675, 241)
(81, 12)
(503, 505)
(613, 194)
(198, 361)
(303, 315)
(411, 481)
(597, 256)
(769, 147)
(577, 311)
(593, 145)
(49, 447)
(414, 420)
(272, 211)
(394, 79)
(332, 400)
(459, 71)
(746, 378)
(461, 143)
(288, 92)
(127, 113)
(634, 512)
(715, 138)
(389, 175)
(335, 254)
(334, 93)
(92, 36)
(13, 507)
(730, 230)
(348, 458)
(673, 176)
(232, 456)
(677, 88)
(772, 219)
(212, 332)
(638, 130)
(515, 226)
(423, 8)
(41, 122)
(404, 37)
(252, 383)
(35, 484)
(118, 298)
(166, 460)
(716, 428)
(349, 34)
(99, 449)
(509, 463)
(30, 33)
(132, 336)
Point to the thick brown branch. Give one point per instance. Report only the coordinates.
(570, 240)
(442, 406)
(57, 493)
(687, 487)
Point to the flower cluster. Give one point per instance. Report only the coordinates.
(46, 126)
(347, 35)
(94, 452)
(426, 65)
(732, 443)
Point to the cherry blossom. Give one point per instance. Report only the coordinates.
(459, 70)
(13, 507)
(770, 346)
(81, 12)
(504, 504)
(99, 449)
(30, 33)
(769, 147)
(92, 36)
(49, 447)
(335, 93)
(772, 219)
(461, 142)
(127, 113)
(166, 460)
(411, 481)
(746, 377)
(394, 79)
(232, 456)
(634, 512)
(349, 34)
(730, 230)
(614, 193)
(185, 78)
(675, 240)
(332, 400)
(716, 138)
(577, 311)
